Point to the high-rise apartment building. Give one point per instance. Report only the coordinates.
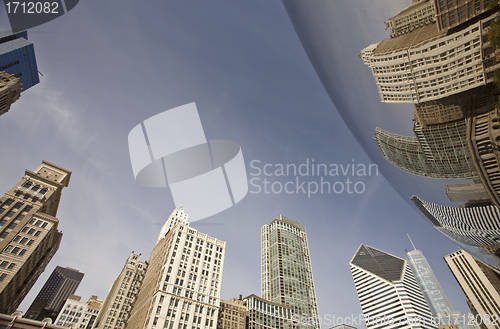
(59, 286)
(480, 284)
(181, 287)
(17, 57)
(437, 301)
(28, 231)
(10, 91)
(287, 276)
(77, 314)
(379, 276)
(475, 229)
(232, 314)
(264, 314)
(122, 294)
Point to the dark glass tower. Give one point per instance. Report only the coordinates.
(17, 57)
(61, 283)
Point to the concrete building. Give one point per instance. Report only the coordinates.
(475, 229)
(380, 276)
(232, 314)
(62, 283)
(28, 231)
(287, 277)
(419, 14)
(264, 314)
(427, 64)
(118, 302)
(10, 91)
(451, 13)
(472, 190)
(17, 57)
(77, 314)
(181, 287)
(480, 284)
(439, 151)
(438, 303)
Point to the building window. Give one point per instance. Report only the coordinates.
(2, 276)
(3, 235)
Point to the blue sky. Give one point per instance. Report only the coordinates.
(108, 65)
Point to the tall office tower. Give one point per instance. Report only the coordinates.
(287, 276)
(59, 286)
(264, 314)
(439, 151)
(78, 314)
(379, 275)
(122, 294)
(17, 57)
(10, 91)
(232, 314)
(475, 229)
(181, 288)
(437, 301)
(28, 231)
(481, 286)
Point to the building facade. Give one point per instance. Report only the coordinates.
(419, 14)
(77, 314)
(28, 231)
(439, 151)
(451, 13)
(10, 91)
(379, 276)
(287, 276)
(62, 283)
(480, 284)
(472, 190)
(438, 303)
(232, 314)
(181, 287)
(263, 314)
(475, 229)
(17, 57)
(118, 302)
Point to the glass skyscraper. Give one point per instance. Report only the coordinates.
(287, 277)
(436, 299)
(17, 57)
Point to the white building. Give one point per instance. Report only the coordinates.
(389, 294)
(77, 314)
(181, 288)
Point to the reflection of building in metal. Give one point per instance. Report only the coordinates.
(126, 284)
(451, 13)
(10, 91)
(420, 13)
(425, 64)
(466, 192)
(484, 136)
(59, 286)
(380, 276)
(475, 229)
(480, 284)
(438, 151)
(436, 299)
(287, 276)
(264, 314)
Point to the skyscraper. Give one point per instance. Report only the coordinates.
(10, 90)
(287, 276)
(480, 284)
(379, 276)
(437, 301)
(17, 57)
(181, 287)
(122, 294)
(28, 231)
(59, 286)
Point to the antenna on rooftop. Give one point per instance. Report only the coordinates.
(411, 242)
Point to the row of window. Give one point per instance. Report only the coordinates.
(7, 265)
(35, 188)
(15, 250)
